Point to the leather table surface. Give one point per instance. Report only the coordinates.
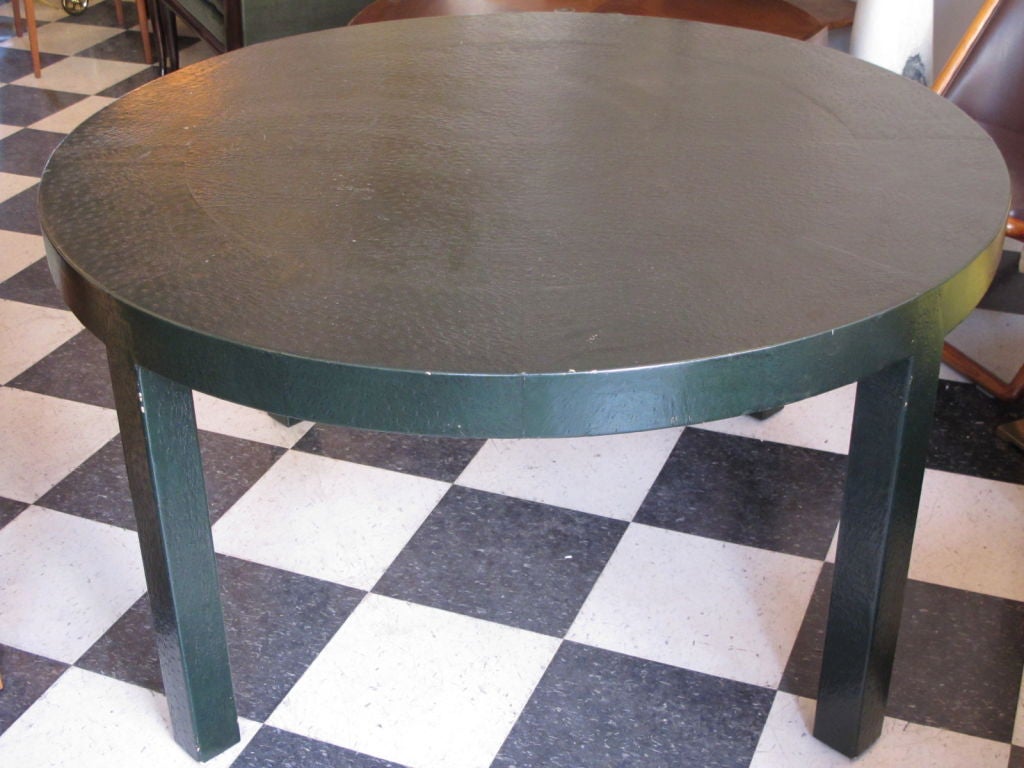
(522, 195)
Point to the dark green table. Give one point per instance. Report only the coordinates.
(532, 225)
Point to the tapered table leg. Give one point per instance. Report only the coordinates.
(891, 423)
(161, 449)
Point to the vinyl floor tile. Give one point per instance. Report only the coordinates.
(80, 74)
(66, 727)
(69, 118)
(273, 748)
(23, 106)
(706, 605)
(606, 475)
(76, 370)
(417, 686)
(28, 333)
(958, 662)
(26, 677)
(767, 495)
(438, 458)
(502, 559)
(785, 744)
(18, 251)
(9, 509)
(597, 708)
(67, 579)
(11, 184)
(18, 214)
(126, 46)
(27, 151)
(15, 64)
(327, 519)
(33, 285)
(98, 489)
(276, 622)
(65, 39)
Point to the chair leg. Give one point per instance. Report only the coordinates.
(147, 51)
(119, 12)
(33, 38)
(982, 376)
(19, 30)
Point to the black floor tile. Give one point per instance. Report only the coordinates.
(272, 748)
(1007, 291)
(27, 151)
(276, 622)
(26, 678)
(33, 285)
(503, 559)
(958, 661)
(15, 64)
(76, 370)
(744, 491)
(126, 46)
(598, 708)
(439, 458)
(1016, 758)
(131, 83)
(963, 434)
(19, 213)
(98, 488)
(10, 509)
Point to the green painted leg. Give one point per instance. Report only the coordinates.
(891, 423)
(161, 449)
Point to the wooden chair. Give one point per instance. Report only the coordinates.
(985, 78)
(33, 39)
(229, 24)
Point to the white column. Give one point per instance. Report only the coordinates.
(896, 35)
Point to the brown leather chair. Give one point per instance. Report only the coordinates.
(985, 78)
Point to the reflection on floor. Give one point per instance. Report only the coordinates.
(643, 600)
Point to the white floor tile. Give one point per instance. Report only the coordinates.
(786, 742)
(11, 184)
(69, 118)
(706, 605)
(216, 415)
(44, 438)
(91, 721)
(970, 535)
(65, 39)
(79, 74)
(29, 333)
(418, 686)
(607, 476)
(64, 581)
(822, 422)
(17, 251)
(8, 130)
(325, 518)
(994, 339)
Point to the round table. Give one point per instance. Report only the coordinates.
(531, 225)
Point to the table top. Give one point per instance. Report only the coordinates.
(776, 16)
(523, 224)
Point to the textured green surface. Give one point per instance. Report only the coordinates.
(465, 225)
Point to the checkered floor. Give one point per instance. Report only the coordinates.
(640, 600)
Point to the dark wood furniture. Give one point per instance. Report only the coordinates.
(985, 78)
(523, 225)
(776, 16)
(229, 24)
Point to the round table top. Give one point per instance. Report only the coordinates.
(776, 16)
(499, 215)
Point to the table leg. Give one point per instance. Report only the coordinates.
(891, 423)
(161, 449)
